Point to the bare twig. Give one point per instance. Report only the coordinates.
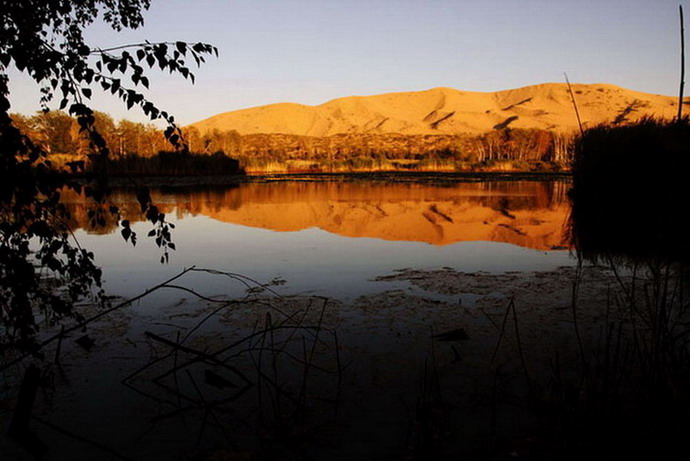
(246, 281)
(682, 63)
(83, 323)
(501, 334)
(80, 438)
(59, 345)
(340, 373)
(572, 96)
(576, 325)
(202, 355)
(230, 347)
(519, 345)
(198, 295)
(177, 385)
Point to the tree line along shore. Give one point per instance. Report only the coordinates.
(141, 149)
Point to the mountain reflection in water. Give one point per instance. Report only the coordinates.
(530, 214)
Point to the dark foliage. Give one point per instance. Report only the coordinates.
(174, 164)
(629, 201)
(41, 265)
(630, 192)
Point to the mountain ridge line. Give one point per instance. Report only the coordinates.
(448, 111)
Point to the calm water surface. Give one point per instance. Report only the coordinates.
(331, 238)
(327, 238)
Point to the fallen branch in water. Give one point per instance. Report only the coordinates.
(200, 354)
(80, 438)
(83, 323)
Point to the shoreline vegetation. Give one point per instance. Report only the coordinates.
(139, 151)
(626, 206)
(428, 177)
(498, 150)
(628, 185)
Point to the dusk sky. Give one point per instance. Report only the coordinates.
(311, 51)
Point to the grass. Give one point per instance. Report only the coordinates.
(630, 392)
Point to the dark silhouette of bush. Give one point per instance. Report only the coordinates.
(174, 163)
(630, 190)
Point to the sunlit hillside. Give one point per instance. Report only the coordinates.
(546, 106)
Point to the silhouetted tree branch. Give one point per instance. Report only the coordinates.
(44, 40)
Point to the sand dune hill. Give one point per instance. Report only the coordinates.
(448, 111)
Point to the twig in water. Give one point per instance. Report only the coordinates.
(80, 438)
(207, 409)
(59, 345)
(519, 345)
(202, 355)
(501, 333)
(246, 281)
(19, 424)
(177, 385)
(573, 305)
(93, 318)
(493, 322)
(340, 373)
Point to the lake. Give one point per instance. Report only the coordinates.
(331, 237)
(335, 348)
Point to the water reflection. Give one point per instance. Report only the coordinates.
(530, 214)
(625, 221)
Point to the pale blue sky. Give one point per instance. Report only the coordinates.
(311, 51)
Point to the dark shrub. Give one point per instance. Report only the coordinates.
(630, 192)
(167, 163)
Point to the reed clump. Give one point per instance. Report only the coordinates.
(630, 189)
(629, 393)
(628, 201)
